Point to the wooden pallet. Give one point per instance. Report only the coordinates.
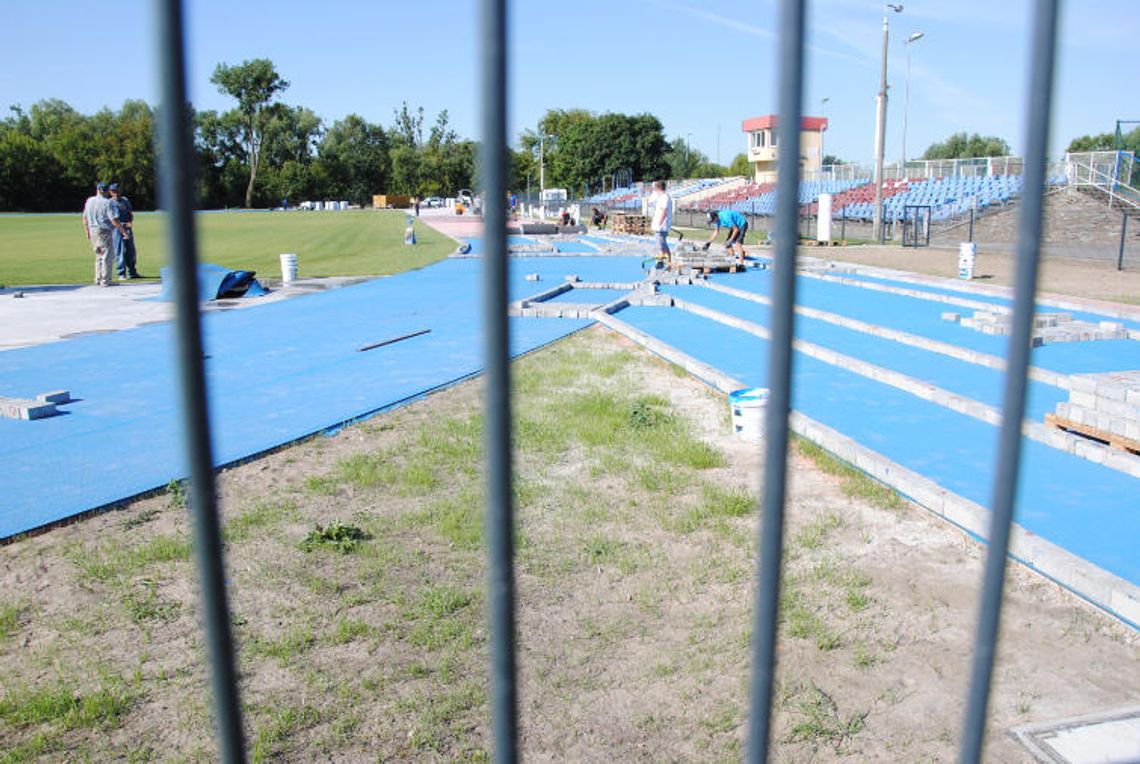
(1115, 441)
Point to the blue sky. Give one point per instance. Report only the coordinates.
(701, 67)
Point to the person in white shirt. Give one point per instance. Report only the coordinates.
(662, 220)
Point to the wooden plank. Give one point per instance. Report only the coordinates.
(1115, 441)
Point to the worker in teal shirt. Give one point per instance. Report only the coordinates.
(737, 226)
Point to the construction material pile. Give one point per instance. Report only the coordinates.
(1105, 407)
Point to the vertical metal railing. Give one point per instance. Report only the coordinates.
(176, 188)
(176, 194)
(497, 434)
(1013, 405)
(790, 73)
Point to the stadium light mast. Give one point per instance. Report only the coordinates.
(881, 128)
(906, 99)
(823, 113)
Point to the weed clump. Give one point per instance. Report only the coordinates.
(337, 536)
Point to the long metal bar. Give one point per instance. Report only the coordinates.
(500, 512)
(176, 190)
(1013, 408)
(790, 69)
(1123, 235)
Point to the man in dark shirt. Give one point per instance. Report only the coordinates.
(124, 242)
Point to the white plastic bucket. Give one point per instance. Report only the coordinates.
(288, 268)
(747, 407)
(967, 256)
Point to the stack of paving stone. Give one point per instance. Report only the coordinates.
(1103, 406)
(703, 260)
(1048, 328)
(624, 223)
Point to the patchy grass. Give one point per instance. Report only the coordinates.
(113, 561)
(9, 618)
(856, 483)
(820, 721)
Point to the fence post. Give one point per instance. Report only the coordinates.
(791, 42)
(497, 427)
(176, 197)
(1017, 365)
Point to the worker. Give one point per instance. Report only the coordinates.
(737, 226)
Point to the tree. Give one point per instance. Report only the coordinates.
(254, 84)
(1106, 142)
(740, 166)
(961, 146)
(354, 158)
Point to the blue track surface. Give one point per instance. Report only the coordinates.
(1083, 507)
(969, 380)
(275, 373)
(922, 317)
(284, 370)
(982, 297)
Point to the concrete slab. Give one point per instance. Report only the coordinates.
(1107, 738)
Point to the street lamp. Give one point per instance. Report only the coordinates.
(541, 165)
(906, 99)
(688, 155)
(881, 129)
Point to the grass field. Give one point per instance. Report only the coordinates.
(52, 249)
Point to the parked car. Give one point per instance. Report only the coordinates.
(432, 201)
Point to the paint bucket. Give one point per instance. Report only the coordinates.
(288, 268)
(747, 407)
(967, 255)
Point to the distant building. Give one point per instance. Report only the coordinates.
(762, 148)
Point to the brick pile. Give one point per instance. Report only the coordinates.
(1105, 406)
(1048, 328)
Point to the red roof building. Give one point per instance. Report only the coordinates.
(763, 148)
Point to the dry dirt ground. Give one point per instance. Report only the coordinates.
(1095, 280)
(635, 568)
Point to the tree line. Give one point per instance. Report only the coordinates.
(264, 151)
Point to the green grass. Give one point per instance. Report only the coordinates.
(821, 721)
(856, 483)
(280, 726)
(65, 706)
(9, 618)
(52, 249)
(112, 561)
(258, 519)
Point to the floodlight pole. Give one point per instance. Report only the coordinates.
(906, 99)
(881, 129)
(823, 113)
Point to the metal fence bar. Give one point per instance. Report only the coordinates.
(176, 189)
(1013, 407)
(790, 69)
(500, 512)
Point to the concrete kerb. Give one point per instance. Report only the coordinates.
(904, 338)
(1044, 298)
(1068, 442)
(1110, 593)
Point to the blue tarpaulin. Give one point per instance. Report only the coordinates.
(216, 282)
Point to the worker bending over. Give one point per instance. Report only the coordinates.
(737, 226)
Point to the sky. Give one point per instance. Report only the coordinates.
(701, 67)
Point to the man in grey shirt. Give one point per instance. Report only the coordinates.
(100, 218)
